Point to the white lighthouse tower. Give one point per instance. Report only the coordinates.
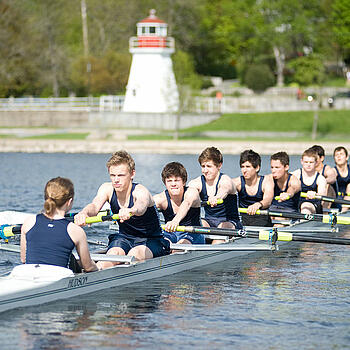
(151, 87)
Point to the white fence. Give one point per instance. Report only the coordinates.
(103, 103)
(114, 103)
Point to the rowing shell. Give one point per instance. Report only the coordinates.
(29, 285)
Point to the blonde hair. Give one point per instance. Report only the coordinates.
(121, 157)
(57, 192)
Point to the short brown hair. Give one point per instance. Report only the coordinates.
(57, 192)
(340, 148)
(319, 150)
(310, 153)
(283, 157)
(250, 156)
(174, 169)
(121, 157)
(213, 154)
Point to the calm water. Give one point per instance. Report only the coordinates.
(295, 299)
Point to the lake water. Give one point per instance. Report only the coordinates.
(294, 299)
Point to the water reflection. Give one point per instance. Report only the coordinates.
(295, 298)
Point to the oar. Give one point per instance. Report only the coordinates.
(206, 203)
(7, 231)
(263, 234)
(102, 213)
(330, 218)
(327, 199)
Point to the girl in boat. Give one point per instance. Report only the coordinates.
(49, 238)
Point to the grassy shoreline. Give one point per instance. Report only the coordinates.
(333, 125)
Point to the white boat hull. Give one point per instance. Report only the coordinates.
(38, 292)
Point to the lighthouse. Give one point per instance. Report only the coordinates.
(151, 86)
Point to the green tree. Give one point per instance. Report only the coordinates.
(18, 71)
(341, 22)
(109, 74)
(289, 28)
(308, 70)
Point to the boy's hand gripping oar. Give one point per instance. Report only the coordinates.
(327, 199)
(207, 203)
(330, 218)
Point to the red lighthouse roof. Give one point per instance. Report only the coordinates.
(152, 18)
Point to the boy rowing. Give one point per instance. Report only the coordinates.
(140, 234)
(286, 185)
(255, 192)
(324, 169)
(179, 204)
(327, 171)
(342, 168)
(312, 182)
(212, 186)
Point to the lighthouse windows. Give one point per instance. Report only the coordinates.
(152, 30)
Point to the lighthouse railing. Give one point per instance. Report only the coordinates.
(151, 42)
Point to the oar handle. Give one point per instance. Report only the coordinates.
(206, 203)
(100, 213)
(279, 197)
(327, 199)
(317, 196)
(7, 231)
(258, 212)
(101, 218)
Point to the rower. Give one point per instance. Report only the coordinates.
(212, 186)
(179, 204)
(140, 234)
(327, 171)
(255, 192)
(312, 182)
(342, 168)
(49, 238)
(286, 185)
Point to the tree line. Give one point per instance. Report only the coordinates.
(43, 51)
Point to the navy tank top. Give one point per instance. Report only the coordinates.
(291, 203)
(48, 242)
(192, 217)
(228, 209)
(144, 226)
(312, 187)
(342, 182)
(245, 200)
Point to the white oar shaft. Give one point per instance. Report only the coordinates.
(10, 247)
(222, 247)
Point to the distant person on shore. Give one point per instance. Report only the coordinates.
(140, 234)
(212, 186)
(255, 191)
(49, 238)
(286, 185)
(179, 204)
(342, 168)
(312, 182)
